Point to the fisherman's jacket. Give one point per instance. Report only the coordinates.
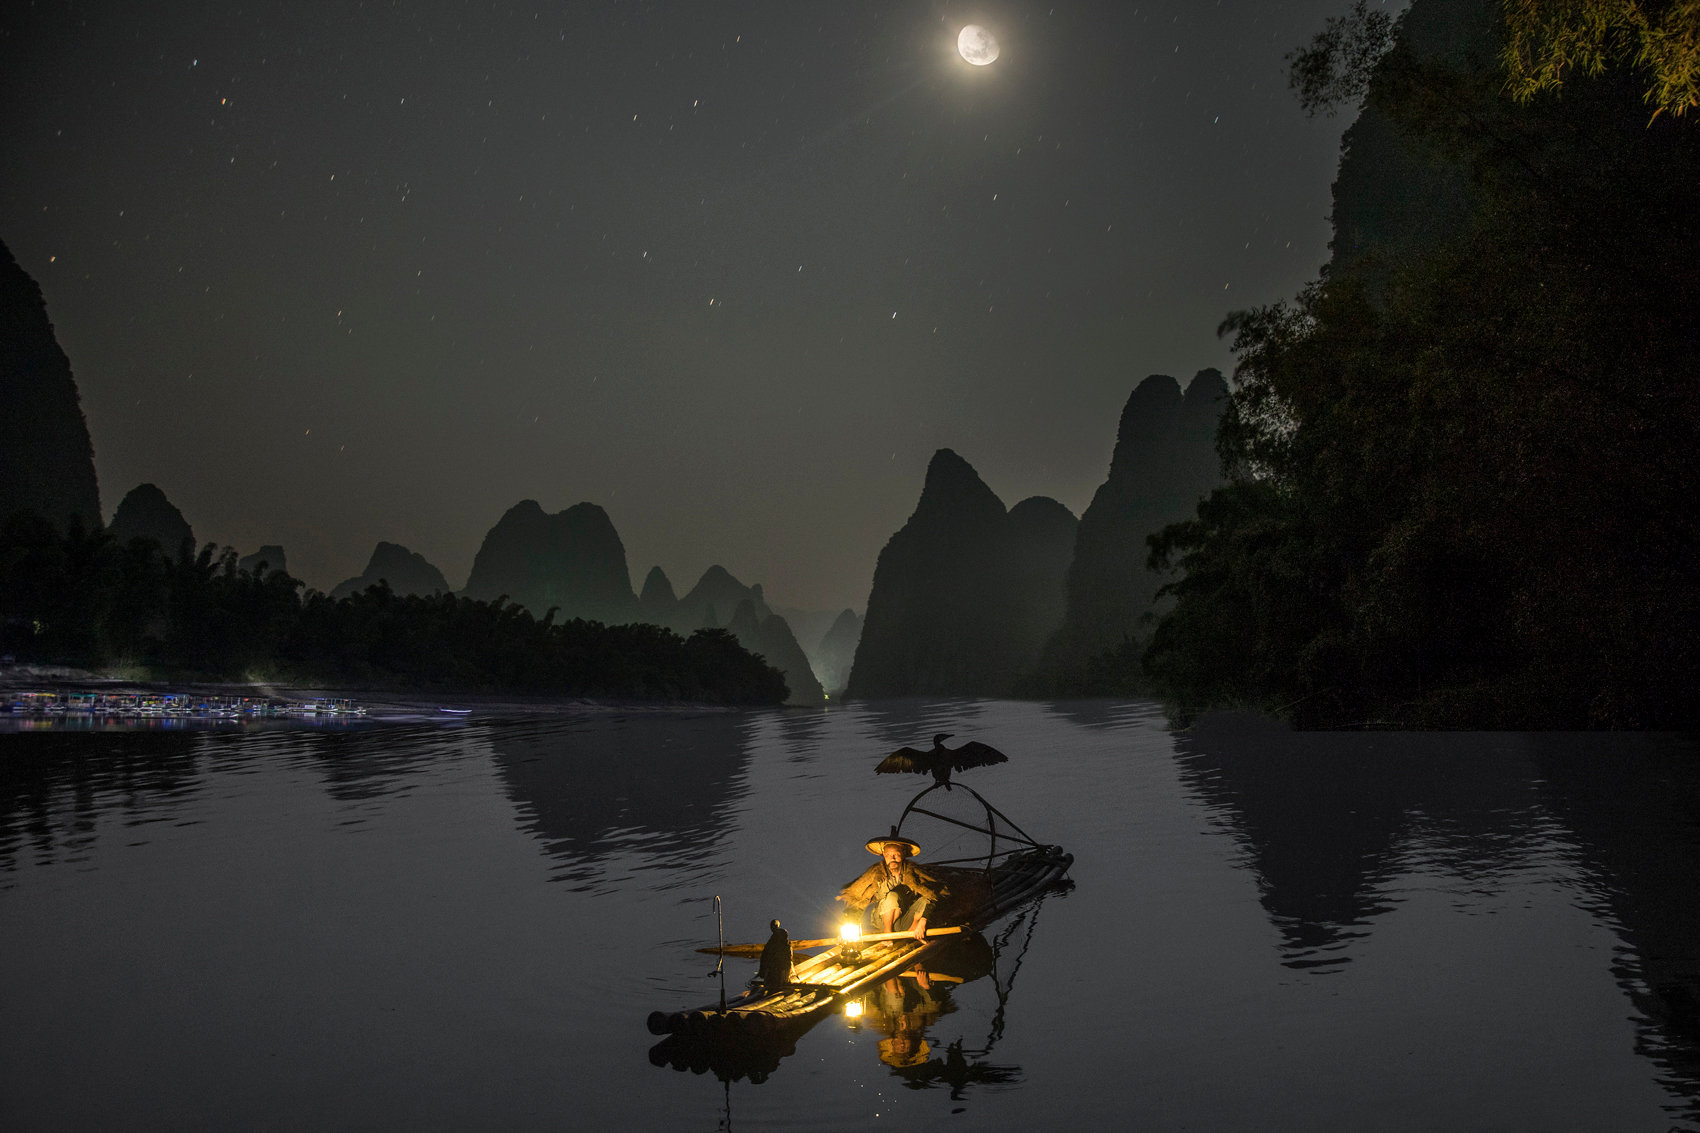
(876, 883)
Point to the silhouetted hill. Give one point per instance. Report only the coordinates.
(837, 650)
(271, 555)
(770, 638)
(744, 624)
(405, 572)
(1164, 463)
(778, 646)
(758, 629)
(657, 600)
(961, 593)
(145, 513)
(808, 627)
(572, 561)
(712, 601)
(1042, 538)
(46, 458)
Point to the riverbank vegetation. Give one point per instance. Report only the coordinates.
(78, 598)
(1461, 465)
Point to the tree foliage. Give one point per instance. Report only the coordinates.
(1461, 484)
(1334, 69)
(1549, 40)
(1546, 43)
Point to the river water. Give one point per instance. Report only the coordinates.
(427, 925)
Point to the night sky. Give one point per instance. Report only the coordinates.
(330, 273)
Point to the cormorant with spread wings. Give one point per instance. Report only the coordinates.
(941, 760)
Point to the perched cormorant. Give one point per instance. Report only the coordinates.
(941, 761)
(775, 970)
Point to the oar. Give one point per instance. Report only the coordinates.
(755, 949)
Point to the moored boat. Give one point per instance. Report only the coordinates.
(152, 706)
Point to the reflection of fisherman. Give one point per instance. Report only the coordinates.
(893, 894)
(903, 1009)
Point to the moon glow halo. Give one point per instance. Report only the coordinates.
(977, 45)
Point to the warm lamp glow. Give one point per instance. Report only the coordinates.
(853, 1009)
(850, 933)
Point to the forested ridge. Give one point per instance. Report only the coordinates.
(81, 598)
(1462, 472)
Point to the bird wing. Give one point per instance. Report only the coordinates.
(976, 754)
(904, 759)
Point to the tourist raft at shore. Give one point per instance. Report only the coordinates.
(142, 706)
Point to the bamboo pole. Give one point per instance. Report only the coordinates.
(818, 962)
(755, 949)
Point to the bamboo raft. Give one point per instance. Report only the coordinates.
(821, 982)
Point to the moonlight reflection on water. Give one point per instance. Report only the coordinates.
(467, 925)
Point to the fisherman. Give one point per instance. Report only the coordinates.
(893, 894)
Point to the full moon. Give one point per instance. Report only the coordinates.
(977, 45)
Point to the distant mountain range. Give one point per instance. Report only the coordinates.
(403, 571)
(270, 558)
(835, 637)
(573, 565)
(970, 600)
(965, 594)
(1164, 463)
(563, 566)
